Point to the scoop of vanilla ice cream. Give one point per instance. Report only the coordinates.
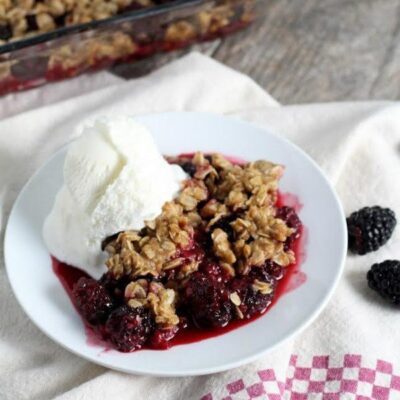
(114, 179)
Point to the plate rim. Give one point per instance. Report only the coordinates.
(223, 366)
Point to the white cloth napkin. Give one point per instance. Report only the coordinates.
(350, 351)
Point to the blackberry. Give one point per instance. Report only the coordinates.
(134, 5)
(224, 223)
(92, 300)
(189, 168)
(289, 215)
(162, 337)
(214, 270)
(108, 240)
(60, 20)
(292, 220)
(384, 278)
(253, 302)
(115, 287)
(274, 270)
(370, 228)
(129, 328)
(32, 23)
(5, 32)
(207, 300)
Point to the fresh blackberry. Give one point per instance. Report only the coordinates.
(370, 228)
(384, 278)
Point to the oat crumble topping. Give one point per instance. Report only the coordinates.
(232, 206)
(22, 18)
(33, 16)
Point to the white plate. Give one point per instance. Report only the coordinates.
(44, 300)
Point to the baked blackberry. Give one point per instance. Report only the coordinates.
(384, 278)
(115, 287)
(92, 300)
(370, 228)
(289, 215)
(162, 337)
(129, 328)
(32, 23)
(5, 32)
(224, 223)
(189, 168)
(253, 300)
(292, 220)
(207, 299)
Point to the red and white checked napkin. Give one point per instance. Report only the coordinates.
(351, 352)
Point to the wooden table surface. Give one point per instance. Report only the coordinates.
(321, 50)
(304, 51)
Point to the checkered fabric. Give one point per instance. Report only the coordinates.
(320, 379)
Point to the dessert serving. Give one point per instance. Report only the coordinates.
(192, 244)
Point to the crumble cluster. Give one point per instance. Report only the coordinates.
(21, 18)
(155, 296)
(229, 206)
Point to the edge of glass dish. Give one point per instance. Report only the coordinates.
(128, 16)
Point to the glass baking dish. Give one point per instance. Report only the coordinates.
(69, 51)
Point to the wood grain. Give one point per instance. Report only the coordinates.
(313, 50)
(321, 50)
